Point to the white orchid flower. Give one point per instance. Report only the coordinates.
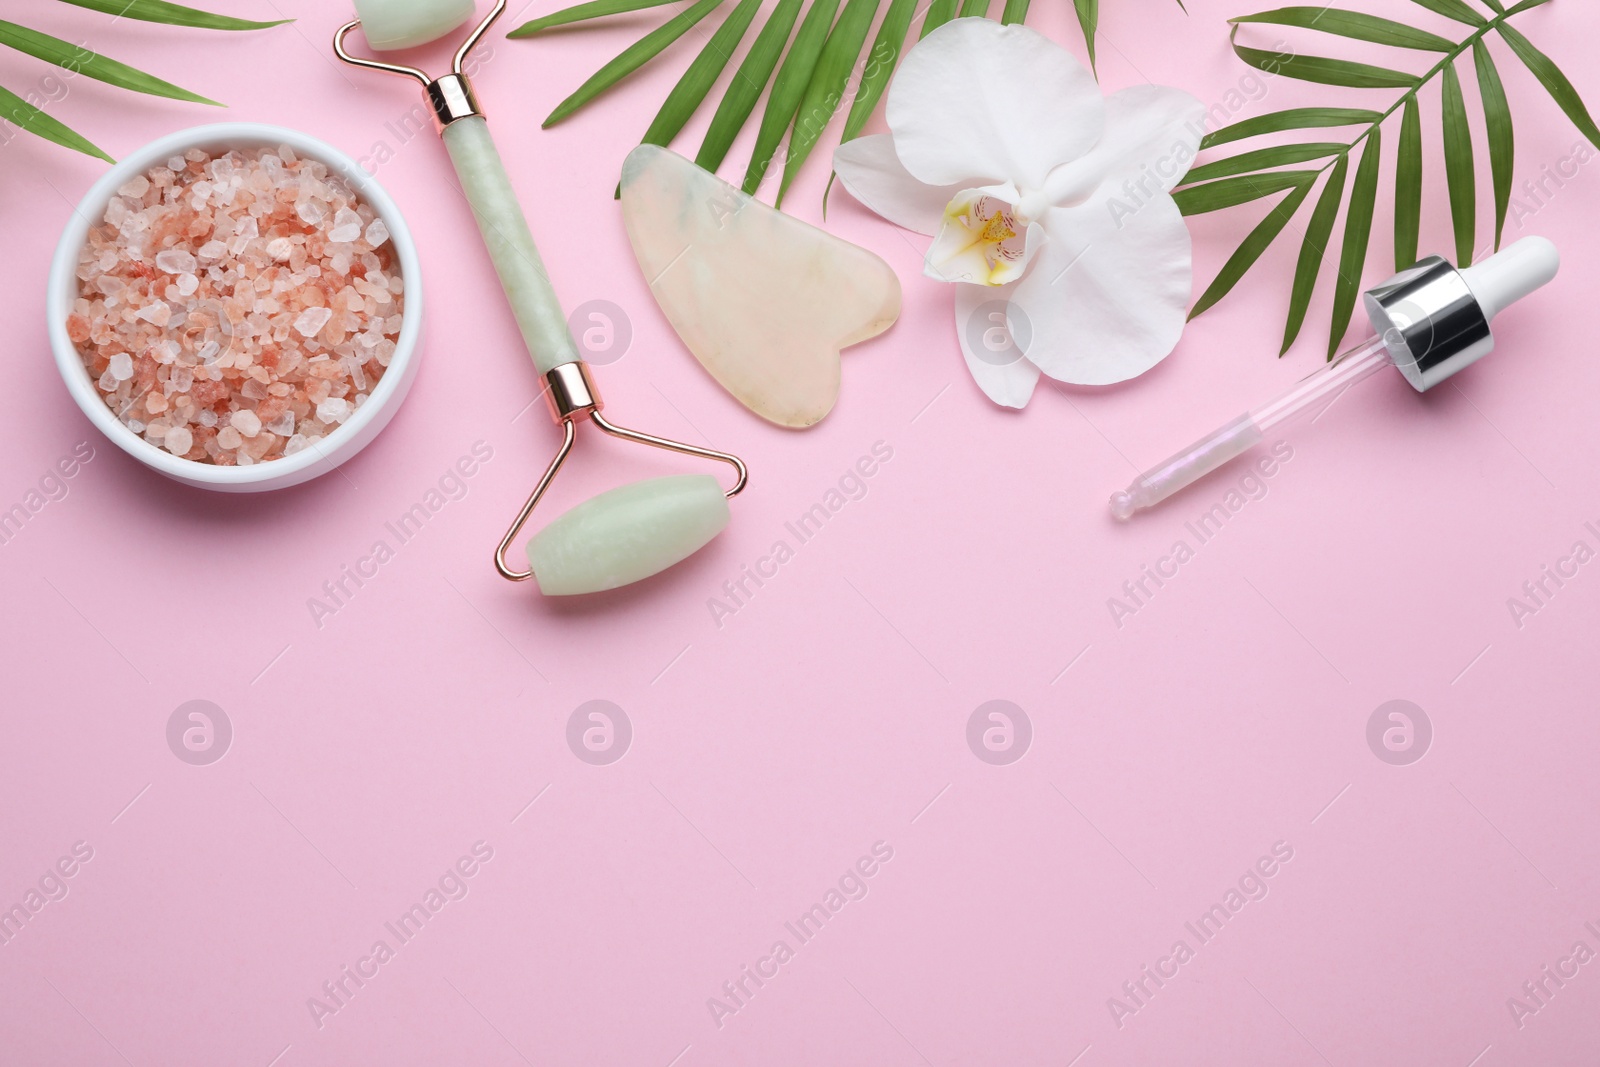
(1048, 204)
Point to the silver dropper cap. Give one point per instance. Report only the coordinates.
(1435, 319)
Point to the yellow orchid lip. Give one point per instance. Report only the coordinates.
(982, 241)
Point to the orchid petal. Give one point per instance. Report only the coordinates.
(1106, 297)
(1152, 136)
(993, 354)
(975, 98)
(872, 172)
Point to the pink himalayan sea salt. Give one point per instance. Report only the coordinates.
(236, 309)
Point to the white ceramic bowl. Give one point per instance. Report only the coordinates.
(337, 446)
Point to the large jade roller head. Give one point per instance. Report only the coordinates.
(620, 536)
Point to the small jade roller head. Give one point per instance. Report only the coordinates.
(392, 25)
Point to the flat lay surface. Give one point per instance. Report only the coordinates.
(582, 829)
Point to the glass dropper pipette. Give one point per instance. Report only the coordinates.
(1430, 321)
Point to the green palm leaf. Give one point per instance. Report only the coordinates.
(172, 14)
(1357, 238)
(1089, 22)
(793, 77)
(696, 82)
(1453, 9)
(1408, 188)
(881, 61)
(748, 81)
(1313, 249)
(1460, 177)
(631, 59)
(1017, 11)
(1231, 192)
(1324, 71)
(826, 89)
(939, 13)
(595, 9)
(1300, 118)
(1502, 135)
(1352, 24)
(1250, 250)
(1264, 158)
(82, 61)
(1550, 76)
(25, 116)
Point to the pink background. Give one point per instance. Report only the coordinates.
(830, 712)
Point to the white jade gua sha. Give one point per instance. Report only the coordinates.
(620, 536)
(764, 301)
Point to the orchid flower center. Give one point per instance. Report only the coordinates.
(983, 240)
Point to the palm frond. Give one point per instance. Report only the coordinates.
(1259, 173)
(30, 116)
(827, 64)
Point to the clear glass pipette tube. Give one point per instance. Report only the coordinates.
(1245, 432)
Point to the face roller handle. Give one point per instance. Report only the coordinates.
(391, 24)
(621, 536)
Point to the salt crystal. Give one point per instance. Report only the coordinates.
(178, 440)
(333, 410)
(312, 320)
(187, 284)
(213, 250)
(229, 438)
(311, 210)
(346, 227)
(296, 444)
(121, 368)
(207, 418)
(135, 187)
(352, 369)
(283, 425)
(175, 261)
(279, 248)
(377, 233)
(246, 422)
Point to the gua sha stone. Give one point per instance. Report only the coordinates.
(764, 301)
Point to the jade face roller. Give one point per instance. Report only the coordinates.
(622, 535)
(1430, 321)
